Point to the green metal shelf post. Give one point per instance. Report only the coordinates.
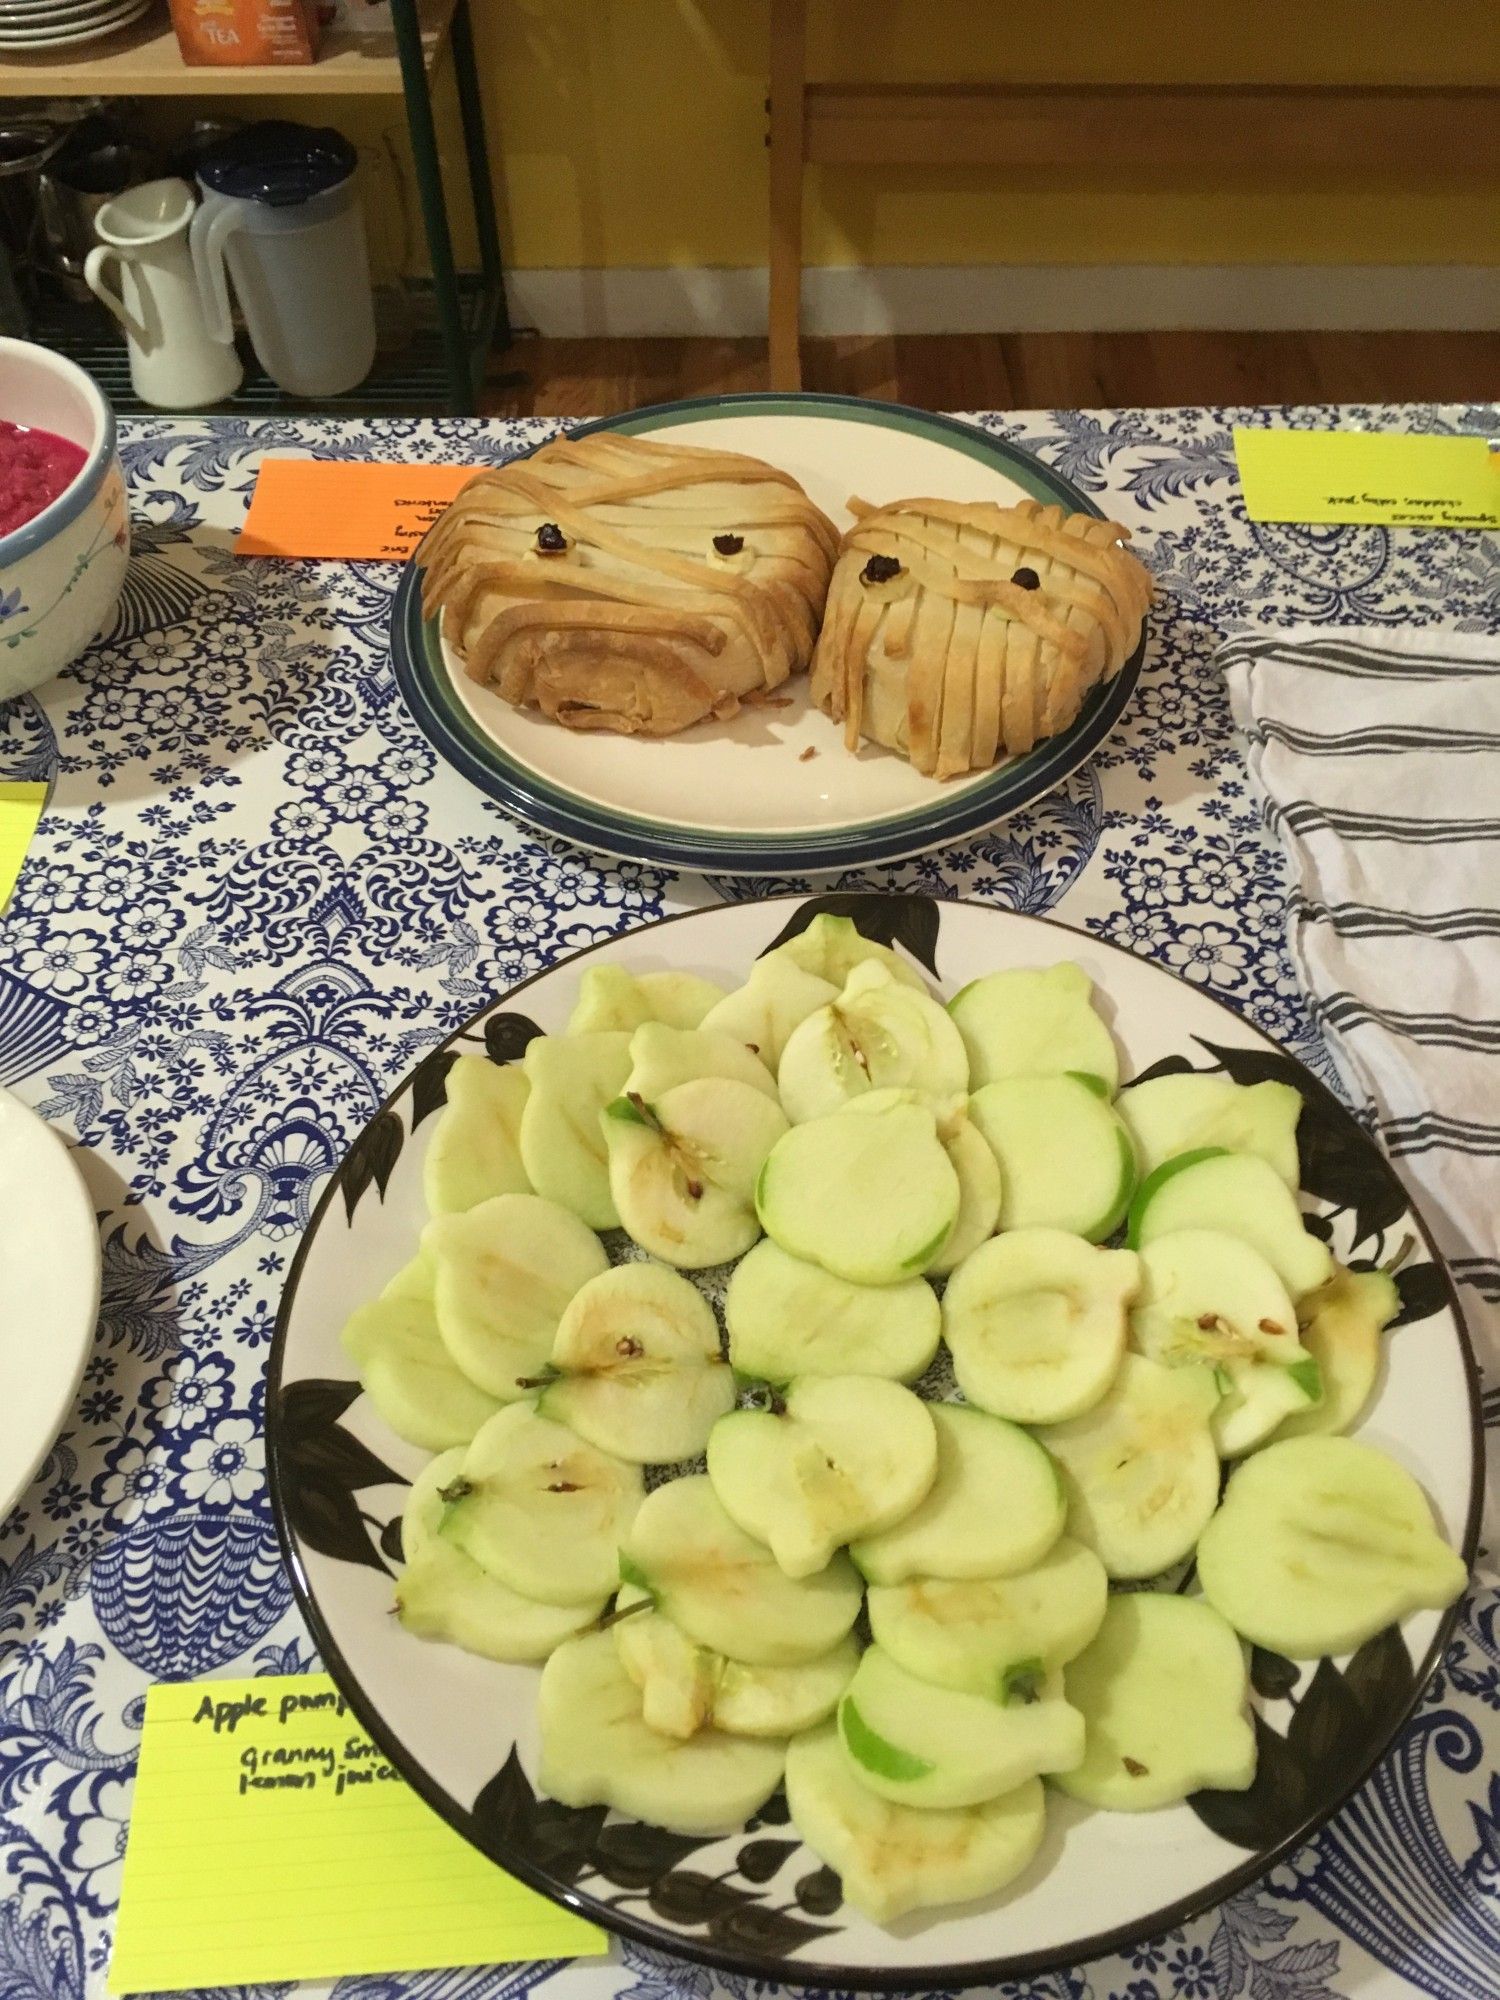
(481, 187)
(429, 171)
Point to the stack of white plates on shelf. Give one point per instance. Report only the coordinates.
(28, 26)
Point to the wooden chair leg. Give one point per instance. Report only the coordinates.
(788, 80)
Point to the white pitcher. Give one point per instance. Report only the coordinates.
(175, 364)
(302, 277)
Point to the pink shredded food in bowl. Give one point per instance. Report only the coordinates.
(35, 467)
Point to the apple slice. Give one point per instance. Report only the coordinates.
(572, 1078)
(830, 947)
(1240, 1195)
(871, 1197)
(878, 1034)
(1035, 1321)
(783, 1701)
(969, 1156)
(682, 1171)
(677, 1677)
(443, 1594)
(990, 1635)
(502, 1274)
(597, 1750)
(686, 1687)
(787, 1317)
(979, 1190)
(641, 1377)
(893, 1859)
(1170, 1115)
(1165, 1700)
(1065, 1159)
(541, 1510)
(1258, 1397)
(1208, 1297)
(763, 1012)
(1141, 1468)
(1034, 1021)
(610, 999)
(1343, 1324)
(475, 1149)
(841, 1456)
(422, 1516)
(724, 1589)
(662, 1057)
(927, 1746)
(1320, 1544)
(996, 1506)
(407, 1372)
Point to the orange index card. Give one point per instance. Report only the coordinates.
(347, 510)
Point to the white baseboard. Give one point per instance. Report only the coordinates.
(1021, 298)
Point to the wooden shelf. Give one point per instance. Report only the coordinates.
(144, 61)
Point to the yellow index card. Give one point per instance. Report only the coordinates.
(270, 1839)
(20, 813)
(1383, 476)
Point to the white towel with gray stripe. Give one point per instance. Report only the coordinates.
(1379, 757)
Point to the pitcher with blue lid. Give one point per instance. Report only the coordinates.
(280, 220)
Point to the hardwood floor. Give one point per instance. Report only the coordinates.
(575, 378)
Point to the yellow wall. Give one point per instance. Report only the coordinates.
(630, 132)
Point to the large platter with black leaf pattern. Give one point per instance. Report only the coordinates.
(758, 1902)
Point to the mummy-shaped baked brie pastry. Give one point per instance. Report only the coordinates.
(960, 632)
(618, 583)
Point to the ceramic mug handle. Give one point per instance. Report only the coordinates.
(94, 278)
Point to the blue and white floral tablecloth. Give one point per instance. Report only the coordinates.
(256, 898)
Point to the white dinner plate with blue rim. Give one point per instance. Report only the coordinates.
(744, 797)
(757, 1902)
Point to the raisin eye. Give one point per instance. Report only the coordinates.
(1026, 579)
(550, 539)
(880, 569)
(729, 545)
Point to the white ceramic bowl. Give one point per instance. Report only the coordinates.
(60, 574)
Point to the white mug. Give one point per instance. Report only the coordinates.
(175, 363)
